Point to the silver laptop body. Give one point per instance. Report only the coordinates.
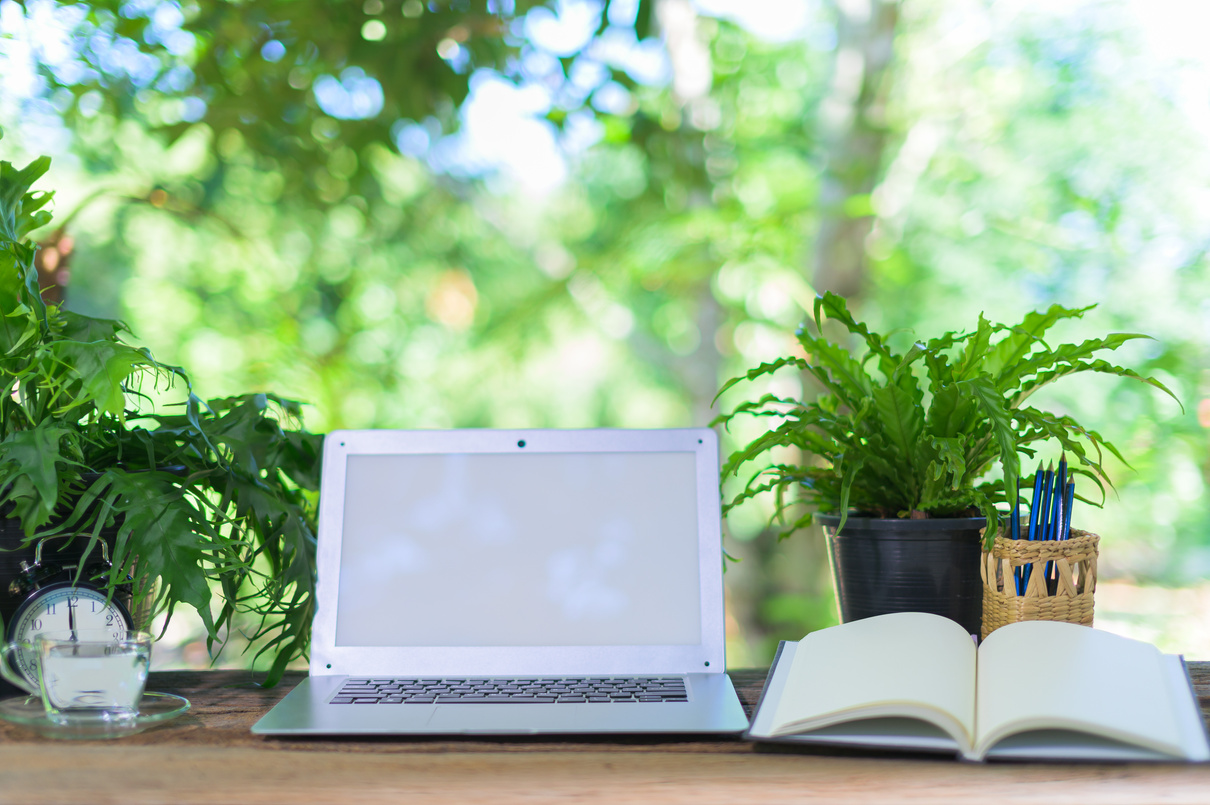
(479, 562)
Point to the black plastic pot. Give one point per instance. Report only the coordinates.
(883, 566)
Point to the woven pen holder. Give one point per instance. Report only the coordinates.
(1076, 560)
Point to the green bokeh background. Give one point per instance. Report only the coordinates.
(929, 159)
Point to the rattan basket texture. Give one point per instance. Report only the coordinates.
(1076, 560)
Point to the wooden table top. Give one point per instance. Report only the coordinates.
(210, 756)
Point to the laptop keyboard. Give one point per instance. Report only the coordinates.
(524, 690)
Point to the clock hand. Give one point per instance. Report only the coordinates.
(71, 618)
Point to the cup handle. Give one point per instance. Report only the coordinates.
(8, 673)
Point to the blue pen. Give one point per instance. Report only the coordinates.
(1058, 516)
(1019, 572)
(1035, 504)
(1042, 531)
(1071, 498)
(1035, 508)
(1050, 500)
(1060, 498)
(1048, 480)
(1014, 532)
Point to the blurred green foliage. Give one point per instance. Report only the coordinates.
(1020, 156)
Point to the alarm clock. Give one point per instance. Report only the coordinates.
(53, 600)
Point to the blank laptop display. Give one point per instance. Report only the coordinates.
(544, 549)
(447, 556)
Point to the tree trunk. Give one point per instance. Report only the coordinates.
(783, 589)
(852, 122)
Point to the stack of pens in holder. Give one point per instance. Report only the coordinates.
(1046, 573)
(1049, 519)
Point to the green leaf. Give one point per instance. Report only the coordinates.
(168, 537)
(834, 307)
(952, 413)
(851, 468)
(1071, 437)
(786, 434)
(838, 371)
(1004, 361)
(19, 325)
(103, 368)
(950, 461)
(20, 210)
(983, 389)
(20, 213)
(78, 327)
(763, 369)
(901, 419)
(975, 353)
(1100, 366)
(988, 508)
(30, 462)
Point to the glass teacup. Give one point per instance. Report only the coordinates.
(85, 674)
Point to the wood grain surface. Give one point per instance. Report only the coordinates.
(210, 756)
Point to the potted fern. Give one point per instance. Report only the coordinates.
(895, 455)
(108, 451)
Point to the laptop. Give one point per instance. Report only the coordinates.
(516, 582)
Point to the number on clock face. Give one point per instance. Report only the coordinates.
(58, 608)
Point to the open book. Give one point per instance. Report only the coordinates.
(1032, 690)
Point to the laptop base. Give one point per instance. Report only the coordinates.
(713, 708)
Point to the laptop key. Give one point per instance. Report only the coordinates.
(495, 700)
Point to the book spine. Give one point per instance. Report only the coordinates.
(1196, 703)
(765, 689)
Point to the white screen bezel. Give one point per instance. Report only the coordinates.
(706, 656)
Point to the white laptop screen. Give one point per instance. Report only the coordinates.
(525, 549)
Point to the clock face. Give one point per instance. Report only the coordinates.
(61, 607)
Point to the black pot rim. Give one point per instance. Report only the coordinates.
(901, 525)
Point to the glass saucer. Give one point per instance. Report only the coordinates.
(154, 709)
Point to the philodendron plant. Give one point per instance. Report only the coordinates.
(205, 498)
(914, 434)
